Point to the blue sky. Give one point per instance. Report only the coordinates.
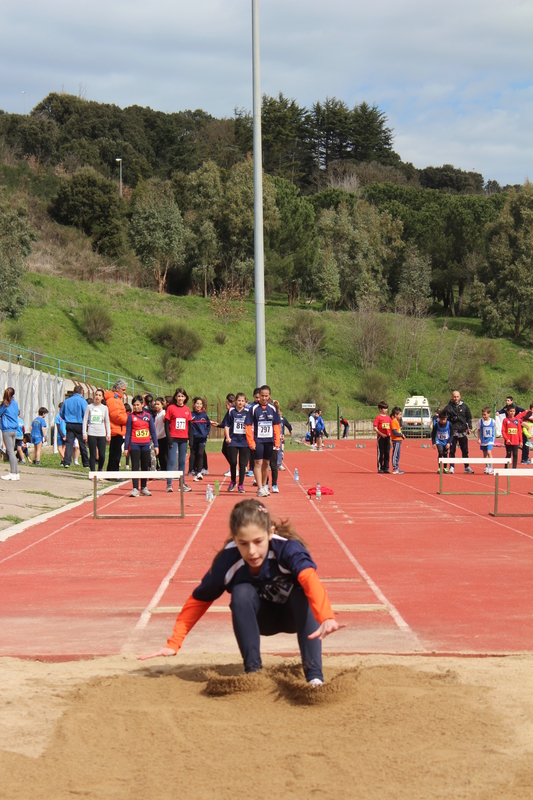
(454, 78)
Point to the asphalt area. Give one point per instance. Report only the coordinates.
(428, 689)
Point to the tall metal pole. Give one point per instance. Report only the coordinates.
(120, 178)
(259, 256)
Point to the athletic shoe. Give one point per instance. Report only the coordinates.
(127, 466)
(469, 471)
(451, 470)
(315, 683)
(145, 492)
(170, 489)
(232, 486)
(191, 474)
(134, 493)
(262, 492)
(240, 489)
(199, 477)
(446, 470)
(15, 477)
(66, 466)
(318, 449)
(36, 463)
(205, 472)
(227, 474)
(76, 463)
(249, 474)
(186, 488)
(282, 468)
(527, 462)
(275, 489)
(7, 477)
(486, 471)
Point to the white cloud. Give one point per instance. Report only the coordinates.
(455, 79)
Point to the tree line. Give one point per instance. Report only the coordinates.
(346, 221)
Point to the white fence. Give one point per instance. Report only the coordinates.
(34, 389)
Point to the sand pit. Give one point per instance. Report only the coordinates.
(383, 727)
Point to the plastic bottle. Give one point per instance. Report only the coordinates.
(217, 488)
(296, 475)
(209, 493)
(318, 493)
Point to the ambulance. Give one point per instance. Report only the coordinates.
(417, 421)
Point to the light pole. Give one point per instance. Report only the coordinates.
(24, 96)
(120, 178)
(259, 255)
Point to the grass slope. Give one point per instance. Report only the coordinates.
(51, 324)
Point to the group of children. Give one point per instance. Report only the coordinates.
(317, 430)
(515, 428)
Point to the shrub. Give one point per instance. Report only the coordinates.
(489, 352)
(180, 340)
(524, 382)
(250, 348)
(221, 337)
(96, 322)
(305, 335)
(173, 367)
(374, 386)
(16, 332)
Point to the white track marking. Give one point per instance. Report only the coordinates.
(448, 502)
(73, 522)
(395, 614)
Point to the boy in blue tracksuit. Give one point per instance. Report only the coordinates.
(19, 440)
(441, 437)
(38, 435)
(201, 425)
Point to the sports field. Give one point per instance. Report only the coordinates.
(429, 687)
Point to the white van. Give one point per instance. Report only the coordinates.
(417, 421)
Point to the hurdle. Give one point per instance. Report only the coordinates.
(491, 460)
(102, 476)
(522, 473)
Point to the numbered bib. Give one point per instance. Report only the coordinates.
(512, 431)
(239, 427)
(386, 426)
(181, 424)
(487, 433)
(442, 437)
(142, 434)
(265, 429)
(96, 417)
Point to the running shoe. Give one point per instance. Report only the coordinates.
(199, 477)
(446, 470)
(146, 492)
(275, 489)
(262, 492)
(451, 470)
(186, 488)
(15, 477)
(249, 474)
(170, 489)
(315, 683)
(205, 472)
(134, 493)
(240, 489)
(227, 474)
(469, 471)
(7, 477)
(282, 468)
(232, 486)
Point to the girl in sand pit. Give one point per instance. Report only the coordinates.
(274, 588)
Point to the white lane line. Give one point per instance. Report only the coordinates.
(144, 619)
(58, 530)
(393, 611)
(450, 503)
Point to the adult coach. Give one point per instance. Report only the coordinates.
(263, 434)
(460, 419)
(72, 412)
(118, 417)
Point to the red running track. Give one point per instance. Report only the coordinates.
(409, 570)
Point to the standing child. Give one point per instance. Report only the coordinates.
(263, 435)
(512, 435)
(235, 436)
(140, 431)
(230, 402)
(441, 437)
(159, 423)
(396, 437)
(19, 440)
(486, 433)
(274, 588)
(382, 428)
(178, 421)
(201, 425)
(61, 433)
(38, 435)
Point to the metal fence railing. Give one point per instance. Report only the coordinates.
(14, 354)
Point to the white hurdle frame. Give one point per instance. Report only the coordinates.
(136, 475)
(454, 461)
(519, 473)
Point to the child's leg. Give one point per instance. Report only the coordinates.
(194, 466)
(92, 442)
(274, 467)
(244, 455)
(386, 454)
(310, 649)
(135, 456)
(516, 448)
(101, 443)
(232, 455)
(145, 464)
(245, 604)
(38, 448)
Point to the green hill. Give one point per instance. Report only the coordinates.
(428, 357)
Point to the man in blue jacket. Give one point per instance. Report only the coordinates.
(72, 412)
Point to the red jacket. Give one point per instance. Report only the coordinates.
(512, 431)
(118, 416)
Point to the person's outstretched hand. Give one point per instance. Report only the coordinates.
(165, 651)
(327, 627)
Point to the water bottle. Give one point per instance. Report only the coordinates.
(217, 488)
(296, 475)
(318, 493)
(209, 493)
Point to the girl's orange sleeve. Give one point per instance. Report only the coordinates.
(189, 615)
(277, 436)
(316, 594)
(250, 436)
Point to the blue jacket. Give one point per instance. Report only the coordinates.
(9, 416)
(73, 409)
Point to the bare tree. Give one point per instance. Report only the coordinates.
(369, 333)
